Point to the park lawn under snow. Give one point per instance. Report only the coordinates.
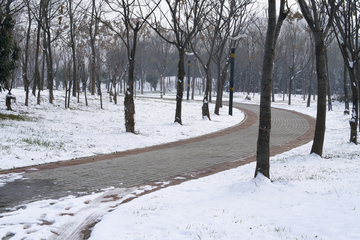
(50, 133)
(308, 197)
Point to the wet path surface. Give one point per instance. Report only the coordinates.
(135, 167)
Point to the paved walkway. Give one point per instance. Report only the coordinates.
(188, 158)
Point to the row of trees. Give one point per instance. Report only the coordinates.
(342, 17)
(82, 43)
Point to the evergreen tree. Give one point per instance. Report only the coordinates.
(9, 51)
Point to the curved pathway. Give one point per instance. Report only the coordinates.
(190, 158)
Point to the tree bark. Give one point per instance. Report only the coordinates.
(73, 49)
(319, 135)
(319, 32)
(180, 85)
(93, 32)
(263, 143)
(129, 93)
(291, 83)
(346, 94)
(193, 81)
(205, 106)
(328, 82)
(37, 78)
(25, 66)
(310, 82)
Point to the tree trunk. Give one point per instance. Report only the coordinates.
(328, 83)
(129, 93)
(37, 70)
(93, 32)
(180, 85)
(25, 66)
(358, 93)
(161, 85)
(129, 99)
(99, 90)
(50, 76)
(291, 83)
(310, 83)
(73, 48)
(346, 94)
(222, 75)
(273, 91)
(249, 80)
(218, 97)
(263, 143)
(205, 106)
(355, 109)
(193, 81)
(318, 142)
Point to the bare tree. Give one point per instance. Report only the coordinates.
(347, 24)
(161, 60)
(26, 79)
(231, 19)
(296, 56)
(114, 62)
(133, 19)
(93, 32)
(208, 39)
(50, 11)
(319, 21)
(177, 25)
(263, 143)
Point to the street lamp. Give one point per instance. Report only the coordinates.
(232, 63)
(188, 74)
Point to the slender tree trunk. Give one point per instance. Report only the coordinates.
(93, 32)
(161, 85)
(37, 78)
(115, 91)
(263, 143)
(205, 106)
(50, 76)
(291, 83)
(273, 91)
(318, 142)
(222, 75)
(355, 109)
(99, 90)
(328, 82)
(129, 93)
(193, 81)
(25, 66)
(180, 85)
(44, 60)
(358, 93)
(249, 80)
(69, 91)
(310, 83)
(218, 97)
(346, 94)
(129, 99)
(73, 48)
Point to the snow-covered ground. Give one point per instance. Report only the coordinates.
(308, 197)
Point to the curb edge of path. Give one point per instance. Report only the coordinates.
(250, 119)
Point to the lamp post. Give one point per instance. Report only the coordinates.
(232, 63)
